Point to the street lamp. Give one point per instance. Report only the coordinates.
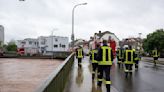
(73, 36)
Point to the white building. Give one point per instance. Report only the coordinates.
(1, 35)
(52, 43)
(44, 44)
(99, 37)
(30, 45)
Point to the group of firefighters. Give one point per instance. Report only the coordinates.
(102, 59)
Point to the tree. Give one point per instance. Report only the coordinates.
(154, 40)
(11, 46)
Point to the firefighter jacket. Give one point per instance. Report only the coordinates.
(105, 55)
(93, 55)
(137, 56)
(155, 53)
(120, 53)
(79, 53)
(129, 56)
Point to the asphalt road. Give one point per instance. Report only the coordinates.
(147, 79)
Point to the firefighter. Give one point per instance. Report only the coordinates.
(120, 53)
(105, 60)
(79, 55)
(94, 61)
(155, 55)
(137, 58)
(90, 55)
(129, 57)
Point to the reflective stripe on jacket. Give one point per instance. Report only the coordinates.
(129, 56)
(155, 53)
(94, 54)
(106, 56)
(80, 53)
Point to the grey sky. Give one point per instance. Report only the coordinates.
(125, 18)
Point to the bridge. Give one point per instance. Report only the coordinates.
(68, 77)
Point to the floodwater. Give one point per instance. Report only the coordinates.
(25, 75)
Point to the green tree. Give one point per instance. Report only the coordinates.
(154, 40)
(11, 46)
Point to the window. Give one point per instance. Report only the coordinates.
(43, 41)
(55, 46)
(56, 39)
(60, 45)
(63, 46)
(30, 42)
(23, 42)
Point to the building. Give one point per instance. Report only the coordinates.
(29, 46)
(100, 36)
(1, 35)
(43, 45)
(52, 44)
(135, 43)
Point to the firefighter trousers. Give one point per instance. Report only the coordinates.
(155, 60)
(120, 63)
(128, 69)
(104, 70)
(79, 61)
(94, 68)
(136, 64)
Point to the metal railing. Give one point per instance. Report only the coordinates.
(57, 80)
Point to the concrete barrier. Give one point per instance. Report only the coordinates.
(57, 80)
(56, 55)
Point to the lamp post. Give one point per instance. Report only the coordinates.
(73, 36)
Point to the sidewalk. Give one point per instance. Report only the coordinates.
(150, 59)
(81, 79)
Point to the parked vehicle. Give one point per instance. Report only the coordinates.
(20, 51)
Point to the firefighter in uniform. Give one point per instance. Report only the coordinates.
(105, 60)
(155, 56)
(129, 57)
(120, 53)
(137, 58)
(94, 61)
(79, 55)
(90, 55)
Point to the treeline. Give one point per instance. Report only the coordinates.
(154, 40)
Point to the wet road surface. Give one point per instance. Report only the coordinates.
(147, 79)
(24, 75)
(81, 79)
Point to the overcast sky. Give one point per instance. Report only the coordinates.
(125, 18)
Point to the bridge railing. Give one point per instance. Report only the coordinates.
(57, 80)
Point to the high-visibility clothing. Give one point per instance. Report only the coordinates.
(120, 54)
(129, 59)
(94, 53)
(80, 53)
(137, 55)
(106, 56)
(155, 53)
(108, 82)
